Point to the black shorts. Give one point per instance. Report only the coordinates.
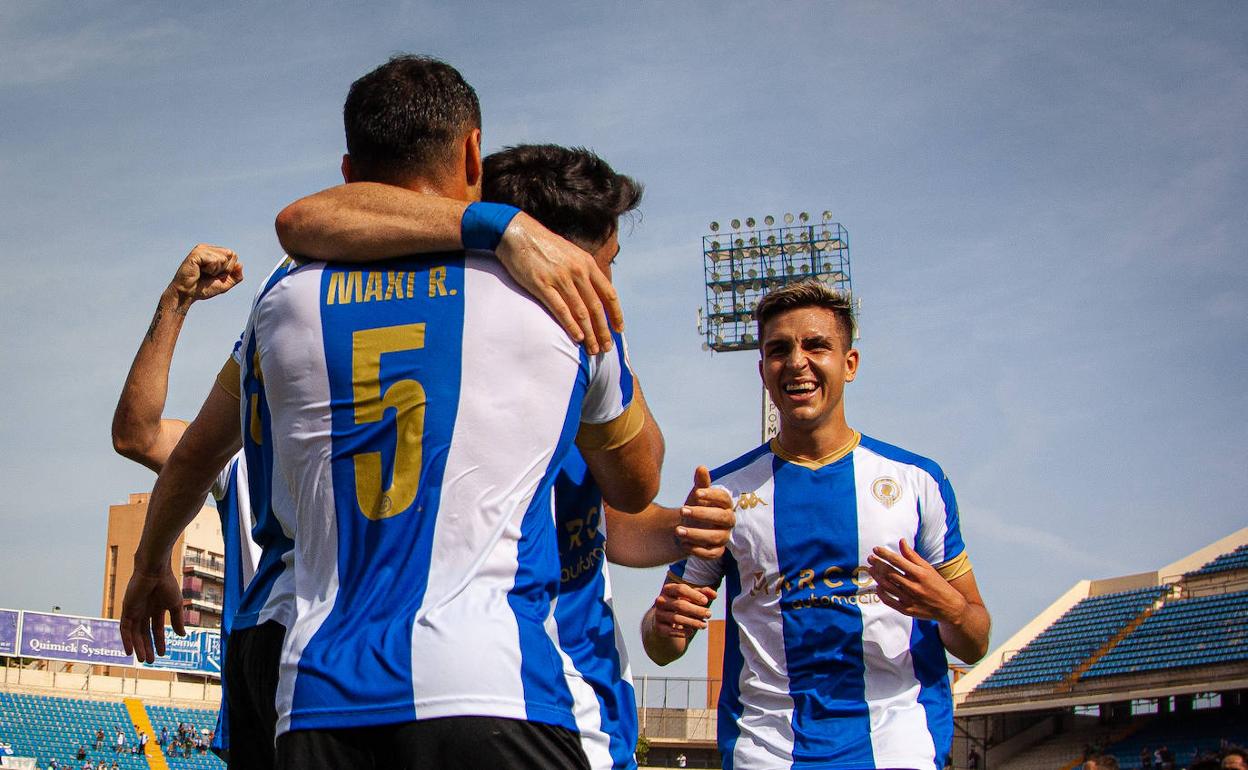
(449, 743)
(251, 661)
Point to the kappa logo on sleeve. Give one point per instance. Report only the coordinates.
(747, 501)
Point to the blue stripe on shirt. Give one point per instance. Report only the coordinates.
(382, 562)
(816, 514)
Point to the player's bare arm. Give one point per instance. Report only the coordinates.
(659, 536)
(909, 584)
(365, 221)
(139, 431)
(679, 611)
(208, 444)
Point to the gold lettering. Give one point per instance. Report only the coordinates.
(592, 519)
(344, 288)
(574, 528)
(806, 579)
(827, 579)
(861, 577)
(373, 290)
(437, 281)
(394, 284)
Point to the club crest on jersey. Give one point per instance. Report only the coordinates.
(747, 501)
(886, 490)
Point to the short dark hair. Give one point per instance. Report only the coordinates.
(808, 293)
(570, 190)
(405, 117)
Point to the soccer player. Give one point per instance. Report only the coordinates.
(835, 642)
(563, 276)
(415, 414)
(579, 196)
(142, 434)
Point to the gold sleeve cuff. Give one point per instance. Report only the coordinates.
(228, 378)
(955, 567)
(613, 434)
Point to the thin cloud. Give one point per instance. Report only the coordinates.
(36, 60)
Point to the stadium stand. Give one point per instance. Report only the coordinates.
(1237, 559)
(1119, 664)
(199, 721)
(47, 727)
(1187, 632)
(1076, 635)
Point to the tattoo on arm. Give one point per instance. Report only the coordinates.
(151, 329)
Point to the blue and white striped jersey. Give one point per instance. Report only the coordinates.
(270, 594)
(606, 711)
(416, 412)
(818, 673)
(241, 557)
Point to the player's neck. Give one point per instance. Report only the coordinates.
(818, 443)
(445, 187)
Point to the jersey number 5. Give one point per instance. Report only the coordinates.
(407, 398)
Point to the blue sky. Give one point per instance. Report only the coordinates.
(1046, 208)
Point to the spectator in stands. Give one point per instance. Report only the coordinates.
(1165, 758)
(972, 760)
(1101, 762)
(121, 742)
(82, 753)
(1146, 758)
(53, 764)
(1235, 759)
(115, 766)
(99, 739)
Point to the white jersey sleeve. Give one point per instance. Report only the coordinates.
(940, 537)
(698, 572)
(609, 416)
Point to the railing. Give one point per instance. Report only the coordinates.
(209, 599)
(212, 564)
(676, 709)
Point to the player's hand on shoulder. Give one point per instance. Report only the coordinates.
(565, 279)
(706, 519)
(206, 272)
(681, 609)
(906, 582)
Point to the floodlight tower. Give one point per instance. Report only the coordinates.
(743, 265)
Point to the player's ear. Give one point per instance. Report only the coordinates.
(851, 364)
(472, 158)
(346, 169)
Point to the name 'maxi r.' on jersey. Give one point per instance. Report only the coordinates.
(818, 673)
(418, 411)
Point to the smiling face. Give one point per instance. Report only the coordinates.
(806, 361)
